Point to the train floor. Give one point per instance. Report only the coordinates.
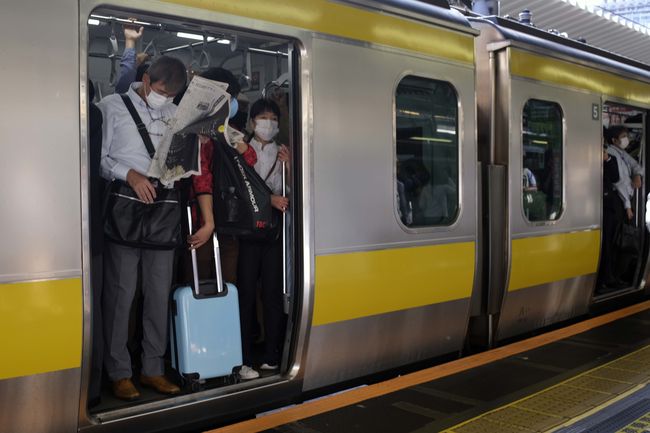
(592, 377)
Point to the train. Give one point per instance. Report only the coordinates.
(410, 234)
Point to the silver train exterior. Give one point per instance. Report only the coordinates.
(370, 293)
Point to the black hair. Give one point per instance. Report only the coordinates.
(141, 70)
(224, 76)
(170, 71)
(262, 105)
(615, 131)
(239, 121)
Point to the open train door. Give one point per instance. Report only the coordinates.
(623, 250)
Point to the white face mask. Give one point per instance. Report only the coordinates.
(624, 142)
(156, 100)
(266, 129)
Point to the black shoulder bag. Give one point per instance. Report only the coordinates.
(241, 198)
(132, 222)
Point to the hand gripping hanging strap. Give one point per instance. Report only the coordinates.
(138, 123)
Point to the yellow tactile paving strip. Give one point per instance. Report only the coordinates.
(354, 396)
(641, 425)
(561, 404)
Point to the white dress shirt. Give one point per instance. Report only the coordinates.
(122, 145)
(266, 156)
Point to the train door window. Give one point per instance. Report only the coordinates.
(426, 139)
(263, 66)
(542, 156)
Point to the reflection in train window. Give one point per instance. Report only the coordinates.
(427, 152)
(542, 160)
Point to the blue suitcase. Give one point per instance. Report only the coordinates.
(205, 328)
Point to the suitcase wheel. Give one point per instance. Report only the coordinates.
(232, 379)
(191, 382)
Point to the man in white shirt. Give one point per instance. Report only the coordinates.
(125, 158)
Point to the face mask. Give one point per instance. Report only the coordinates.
(234, 107)
(156, 100)
(624, 142)
(266, 129)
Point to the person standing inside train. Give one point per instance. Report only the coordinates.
(262, 259)
(612, 218)
(202, 187)
(630, 171)
(125, 158)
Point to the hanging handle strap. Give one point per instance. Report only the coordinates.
(138, 123)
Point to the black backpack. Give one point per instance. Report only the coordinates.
(241, 198)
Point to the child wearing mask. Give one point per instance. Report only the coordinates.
(262, 259)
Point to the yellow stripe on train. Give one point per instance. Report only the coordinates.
(544, 259)
(550, 70)
(335, 19)
(353, 285)
(40, 327)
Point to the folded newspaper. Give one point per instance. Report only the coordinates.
(203, 110)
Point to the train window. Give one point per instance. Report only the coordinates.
(542, 176)
(426, 139)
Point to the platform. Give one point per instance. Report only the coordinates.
(589, 377)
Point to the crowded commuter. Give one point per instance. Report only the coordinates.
(261, 260)
(529, 181)
(613, 216)
(627, 240)
(96, 243)
(629, 169)
(125, 159)
(131, 63)
(203, 189)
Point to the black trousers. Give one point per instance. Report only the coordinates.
(612, 219)
(261, 261)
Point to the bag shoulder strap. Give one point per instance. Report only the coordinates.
(138, 123)
(271, 170)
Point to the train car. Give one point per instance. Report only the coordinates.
(381, 122)
(410, 233)
(543, 101)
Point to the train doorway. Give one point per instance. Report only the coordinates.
(624, 191)
(120, 48)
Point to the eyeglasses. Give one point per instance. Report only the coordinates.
(153, 121)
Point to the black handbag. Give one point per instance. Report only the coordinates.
(628, 239)
(132, 222)
(242, 200)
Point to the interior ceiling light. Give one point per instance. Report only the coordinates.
(223, 41)
(193, 36)
(93, 22)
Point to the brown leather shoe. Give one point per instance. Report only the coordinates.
(160, 384)
(125, 390)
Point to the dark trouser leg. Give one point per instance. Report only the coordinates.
(96, 363)
(229, 252)
(248, 269)
(120, 279)
(274, 317)
(157, 270)
(607, 257)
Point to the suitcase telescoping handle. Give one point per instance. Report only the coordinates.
(217, 261)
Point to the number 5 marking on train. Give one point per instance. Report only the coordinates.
(595, 111)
